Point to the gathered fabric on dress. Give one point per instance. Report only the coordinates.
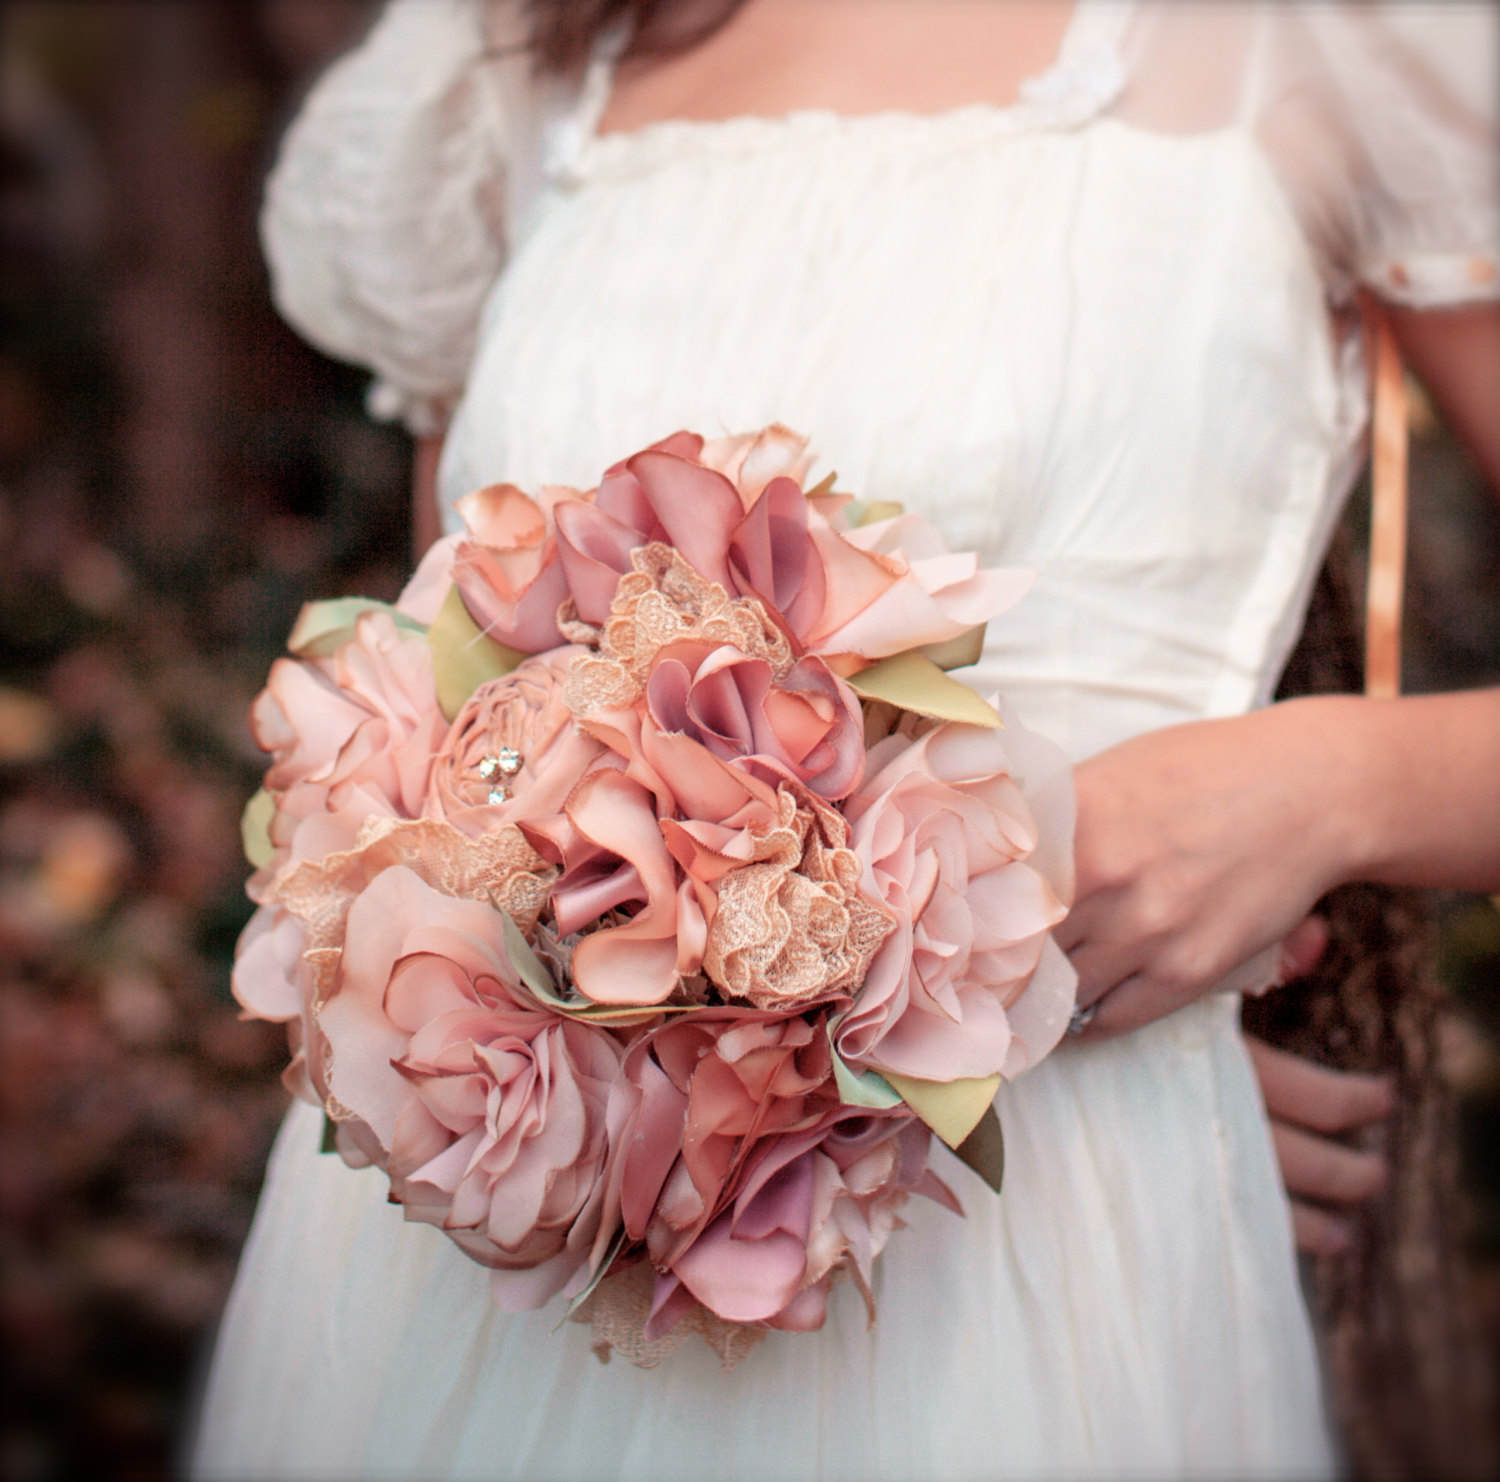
(1105, 333)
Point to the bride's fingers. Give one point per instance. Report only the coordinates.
(1316, 1096)
(1318, 1232)
(1101, 966)
(1136, 1001)
(1303, 947)
(1319, 1168)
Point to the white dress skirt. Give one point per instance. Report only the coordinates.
(1074, 342)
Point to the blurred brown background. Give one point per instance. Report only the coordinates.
(177, 474)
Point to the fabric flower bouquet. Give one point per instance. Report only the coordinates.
(640, 893)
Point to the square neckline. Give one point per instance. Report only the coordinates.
(1085, 75)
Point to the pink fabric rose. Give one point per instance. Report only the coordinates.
(508, 568)
(350, 734)
(514, 741)
(491, 1113)
(818, 1204)
(969, 984)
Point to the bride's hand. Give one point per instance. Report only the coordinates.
(1310, 1107)
(1197, 847)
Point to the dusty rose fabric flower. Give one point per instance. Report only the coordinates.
(750, 460)
(817, 1204)
(515, 741)
(508, 568)
(787, 921)
(948, 839)
(853, 595)
(808, 721)
(709, 1090)
(491, 1113)
(354, 732)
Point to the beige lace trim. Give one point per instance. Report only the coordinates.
(663, 600)
(617, 1310)
(792, 925)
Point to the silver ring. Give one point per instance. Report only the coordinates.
(1081, 1018)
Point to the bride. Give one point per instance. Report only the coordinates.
(1077, 282)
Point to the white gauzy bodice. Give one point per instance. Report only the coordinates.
(1100, 352)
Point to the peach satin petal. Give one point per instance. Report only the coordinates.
(636, 963)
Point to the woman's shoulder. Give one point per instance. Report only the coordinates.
(1379, 118)
(388, 212)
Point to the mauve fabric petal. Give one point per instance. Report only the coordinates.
(697, 507)
(594, 549)
(513, 596)
(742, 1280)
(655, 1134)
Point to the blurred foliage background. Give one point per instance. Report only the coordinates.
(177, 474)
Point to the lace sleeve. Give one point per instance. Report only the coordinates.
(1412, 103)
(383, 221)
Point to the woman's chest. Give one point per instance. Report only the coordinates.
(1053, 343)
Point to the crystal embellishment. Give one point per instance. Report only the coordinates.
(498, 770)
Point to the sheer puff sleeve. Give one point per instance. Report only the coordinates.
(383, 221)
(1412, 96)
(1379, 119)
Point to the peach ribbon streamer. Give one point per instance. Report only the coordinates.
(1384, 589)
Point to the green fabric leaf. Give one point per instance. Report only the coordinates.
(255, 828)
(913, 682)
(463, 657)
(984, 1149)
(323, 627)
(953, 1109)
(862, 1087)
(600, 1272)
(958, 652)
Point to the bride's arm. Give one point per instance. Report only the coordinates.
(1201, 844)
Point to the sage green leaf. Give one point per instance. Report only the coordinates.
(463, 656)
(324, 627)
(913, 682)
(862, 1087)
(255, 828)
(958, 652)
(984, 1149)
(600, 1272)
(953, 1109)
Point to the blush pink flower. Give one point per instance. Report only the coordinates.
(817, 1204)
(350, 734)
(969, 984)
(709, 1089)
(491, 1114)
(508, 569)
(272, 981)
(515, 741)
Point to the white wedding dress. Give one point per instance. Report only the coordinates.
(1098, 333)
